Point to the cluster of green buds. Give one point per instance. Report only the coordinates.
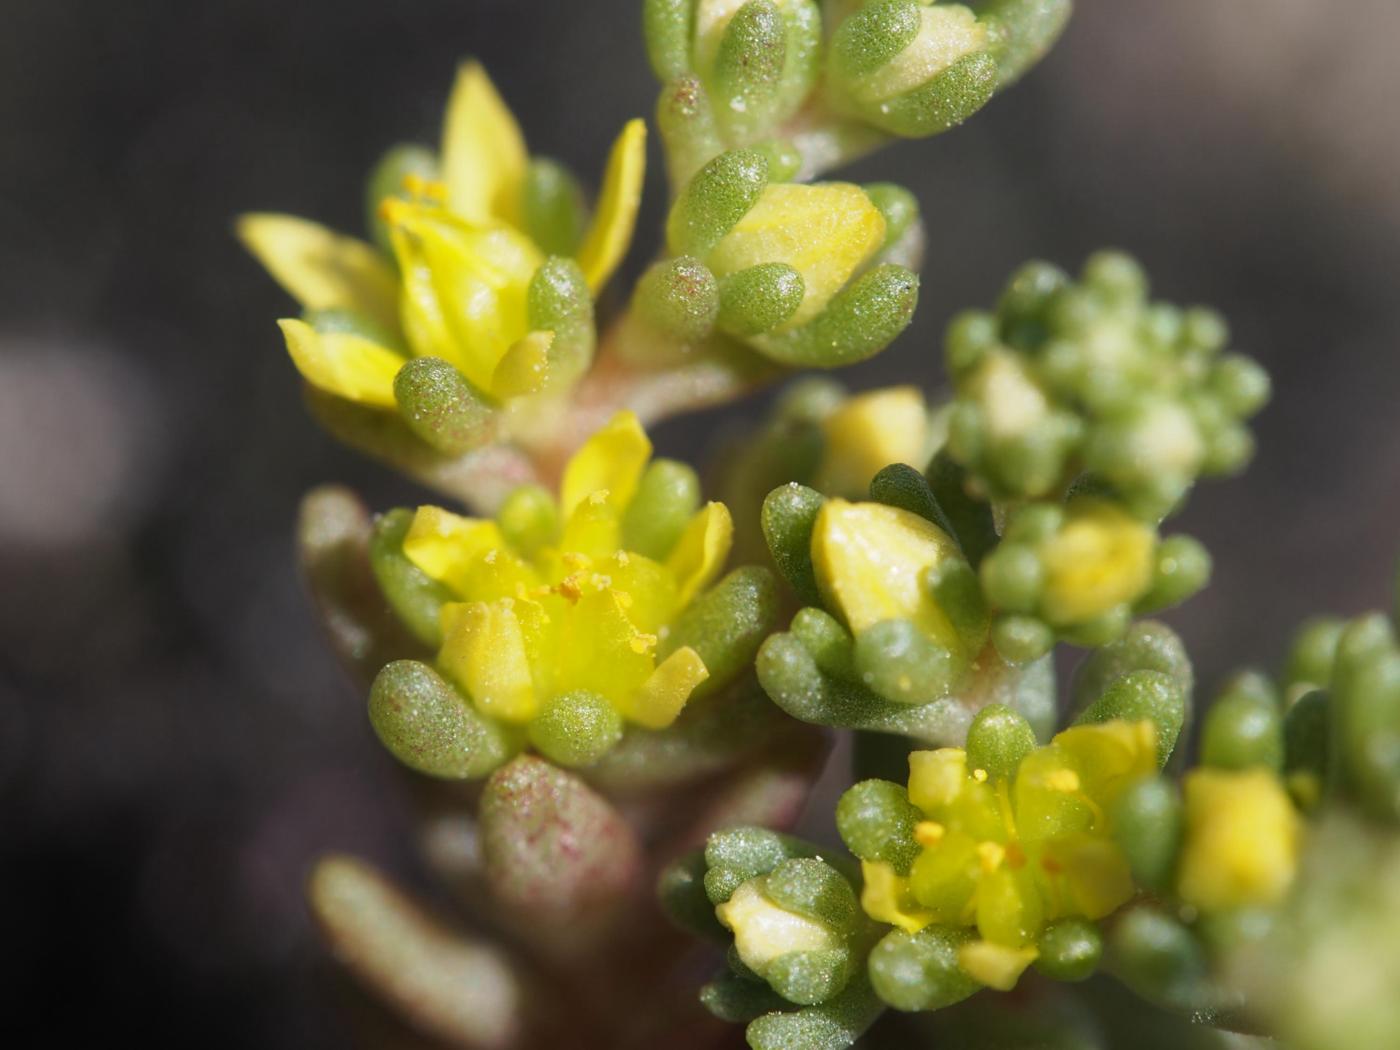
(793, 271)
(797, 937)
(1084, 413)
(825, 82)
(472, 310)
(1089, 385)
(562, 622)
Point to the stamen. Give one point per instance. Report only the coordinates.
(417, 186)
(929, 832)
(991, 854)
(571, 586)
(979, 775)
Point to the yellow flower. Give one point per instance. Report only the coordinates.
(570, 612)
(1241, 845)
(465, 265)
(1010, 854)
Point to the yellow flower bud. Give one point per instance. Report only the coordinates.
(825, 232)
(868, 433)
(870, 560)
(763, 931)
(1100, 558)
(1241, 843)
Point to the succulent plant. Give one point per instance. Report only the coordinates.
(613, 698)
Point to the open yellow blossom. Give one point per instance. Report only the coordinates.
(465, 271)
(1241, 845)
(1010, 854)
(572, 617)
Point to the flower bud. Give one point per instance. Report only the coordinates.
(869, 432)
(1241, 840)
(912, 69)
(752, 62)
(787, 257)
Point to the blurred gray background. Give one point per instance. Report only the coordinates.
(176, 743)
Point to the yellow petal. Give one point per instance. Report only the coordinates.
(1097, 880)
(868, 433)
(825, 232)
(1109, 756)
(1241, 845)
(483, 649)
(661, 697)
(610, 233)
(1099, 559)
(611, 461)
(447, 546)
(483, 152)
(321, 269)
(995, 965)
(870, 561)
(524, 368)
(885, 897)
(936, 778)
(600, 648)
(700, 553)
(465, 287)
(344, 364)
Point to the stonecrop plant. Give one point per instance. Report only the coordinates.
(613, 685)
